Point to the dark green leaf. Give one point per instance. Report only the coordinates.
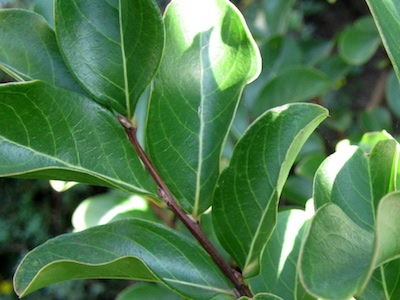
(112, 47)
(29, 50)
(376, 119)
(53, 133)
(128, 249)
(277, 14)
(245, 202)
(298, 189)
(209, 57)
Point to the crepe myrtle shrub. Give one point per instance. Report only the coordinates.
(118, 95)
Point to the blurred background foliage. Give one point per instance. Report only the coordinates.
(322, 51)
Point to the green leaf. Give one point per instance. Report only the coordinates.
(355, 229)
(298, 189)
(246, 198)
(342, 176)
(112, 47)
(376, 119)
(387, 244)
(294, 85)
(209, 57)
(335, 259)
(129, 249)
(29, 50)
(387, 18)
(52, 133)
(359, 42)
(262, 296)
(277, 14)
(108, 207)
(392, 93)
(147, 291)
(279, 261)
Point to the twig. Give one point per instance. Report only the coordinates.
(165, 194)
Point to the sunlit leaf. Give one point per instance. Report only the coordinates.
(209, 57)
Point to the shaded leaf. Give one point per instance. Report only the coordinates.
(209, 57)
(376, 119)
(245, 201)
(359, 42)
(294, 85)
(128, 249)
(277, 14)
(47, 132)
(112, 47)
(29, 50)
(386, 15)
(392, 93)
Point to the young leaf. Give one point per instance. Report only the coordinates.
(246, 198)
(387, 17)
(46, 132)
(209, 57)
(128, 249)
(29, 50)
(112, 47)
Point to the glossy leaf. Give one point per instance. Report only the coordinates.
(294, 85)
(128, 249)
(246, 198)
(112, 47)
(47, 132)
(387, 17)
(209, 57)
(29, 50)
(279, 261)
(355, 229)
(359, 42)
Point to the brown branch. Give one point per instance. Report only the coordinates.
(193, 226)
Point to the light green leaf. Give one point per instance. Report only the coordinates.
(245, 201)
(294, 85)
(387, 18)
(262, 296)
(387, 245)
(209, 57)
(128, 249)
(342, 176)
(335, 258)
(29, 50)
(52, 133)
(112, 47)
(279, 261)
(359, 42)
(108, 207)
